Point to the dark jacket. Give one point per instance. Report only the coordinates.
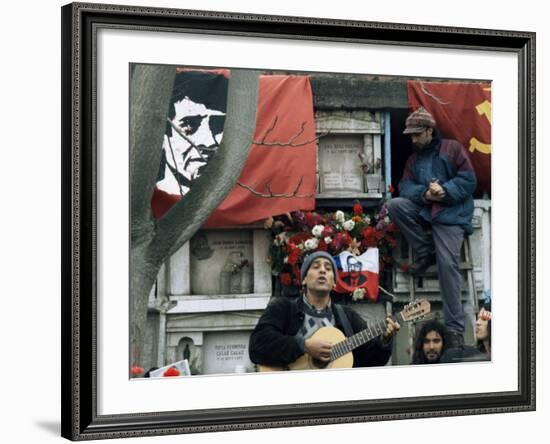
(465, 353)
(273, 341)
(447, 162)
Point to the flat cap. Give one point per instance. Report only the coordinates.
(418, 121)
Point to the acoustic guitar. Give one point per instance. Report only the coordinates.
(341, 355)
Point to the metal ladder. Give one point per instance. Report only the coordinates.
(466, 266)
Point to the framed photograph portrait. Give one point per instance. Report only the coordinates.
(207, 155)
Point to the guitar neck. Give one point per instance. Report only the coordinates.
(357, 340)
(413, 311)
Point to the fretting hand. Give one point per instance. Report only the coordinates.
(392, 327)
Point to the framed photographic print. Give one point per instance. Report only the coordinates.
(208, 155)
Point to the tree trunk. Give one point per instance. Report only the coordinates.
(143, 274)
(150, 93)
(152, 243)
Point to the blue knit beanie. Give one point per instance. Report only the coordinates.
(309, 260)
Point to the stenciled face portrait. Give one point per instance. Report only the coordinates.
(194, 131)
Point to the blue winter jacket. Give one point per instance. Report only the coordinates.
(447, 162)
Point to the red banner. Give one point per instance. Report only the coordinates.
(462, 111)
(279, 175)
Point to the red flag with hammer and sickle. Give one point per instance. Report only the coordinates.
(462, 111)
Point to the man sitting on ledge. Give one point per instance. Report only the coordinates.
(436, 193)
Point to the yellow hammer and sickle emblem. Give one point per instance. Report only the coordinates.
(483, 109)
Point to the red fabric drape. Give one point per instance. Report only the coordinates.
(281, 173)
(285, 106)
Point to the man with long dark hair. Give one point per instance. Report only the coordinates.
(431, 343)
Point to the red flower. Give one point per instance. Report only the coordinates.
(327, 232)
(341, 241)
(357, 209)
(294, 255)
(370, 237)
(391, 189)
(337, 241)
(299, 238)
(136, 370)
(322, 246)
(286, 279)
(347, 240)
(172, 371)
(313, 219)
(333, 249)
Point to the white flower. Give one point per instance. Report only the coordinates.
(367, 220)
(387, 220)
(328, 240)
(311, 244)
(358, 294)
(317, 230)
(339, 216)
(348, 225)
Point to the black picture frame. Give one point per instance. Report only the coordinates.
(80, 420)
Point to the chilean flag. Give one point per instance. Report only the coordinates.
(358, 272)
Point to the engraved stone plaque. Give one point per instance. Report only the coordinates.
(226, 352)
(222, 262)
(339, 163)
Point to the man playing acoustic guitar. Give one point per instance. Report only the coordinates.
(288, 331)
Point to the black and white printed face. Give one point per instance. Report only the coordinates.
(201, 131)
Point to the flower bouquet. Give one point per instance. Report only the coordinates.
(354, 239)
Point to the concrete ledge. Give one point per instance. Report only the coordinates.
(219, 303)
